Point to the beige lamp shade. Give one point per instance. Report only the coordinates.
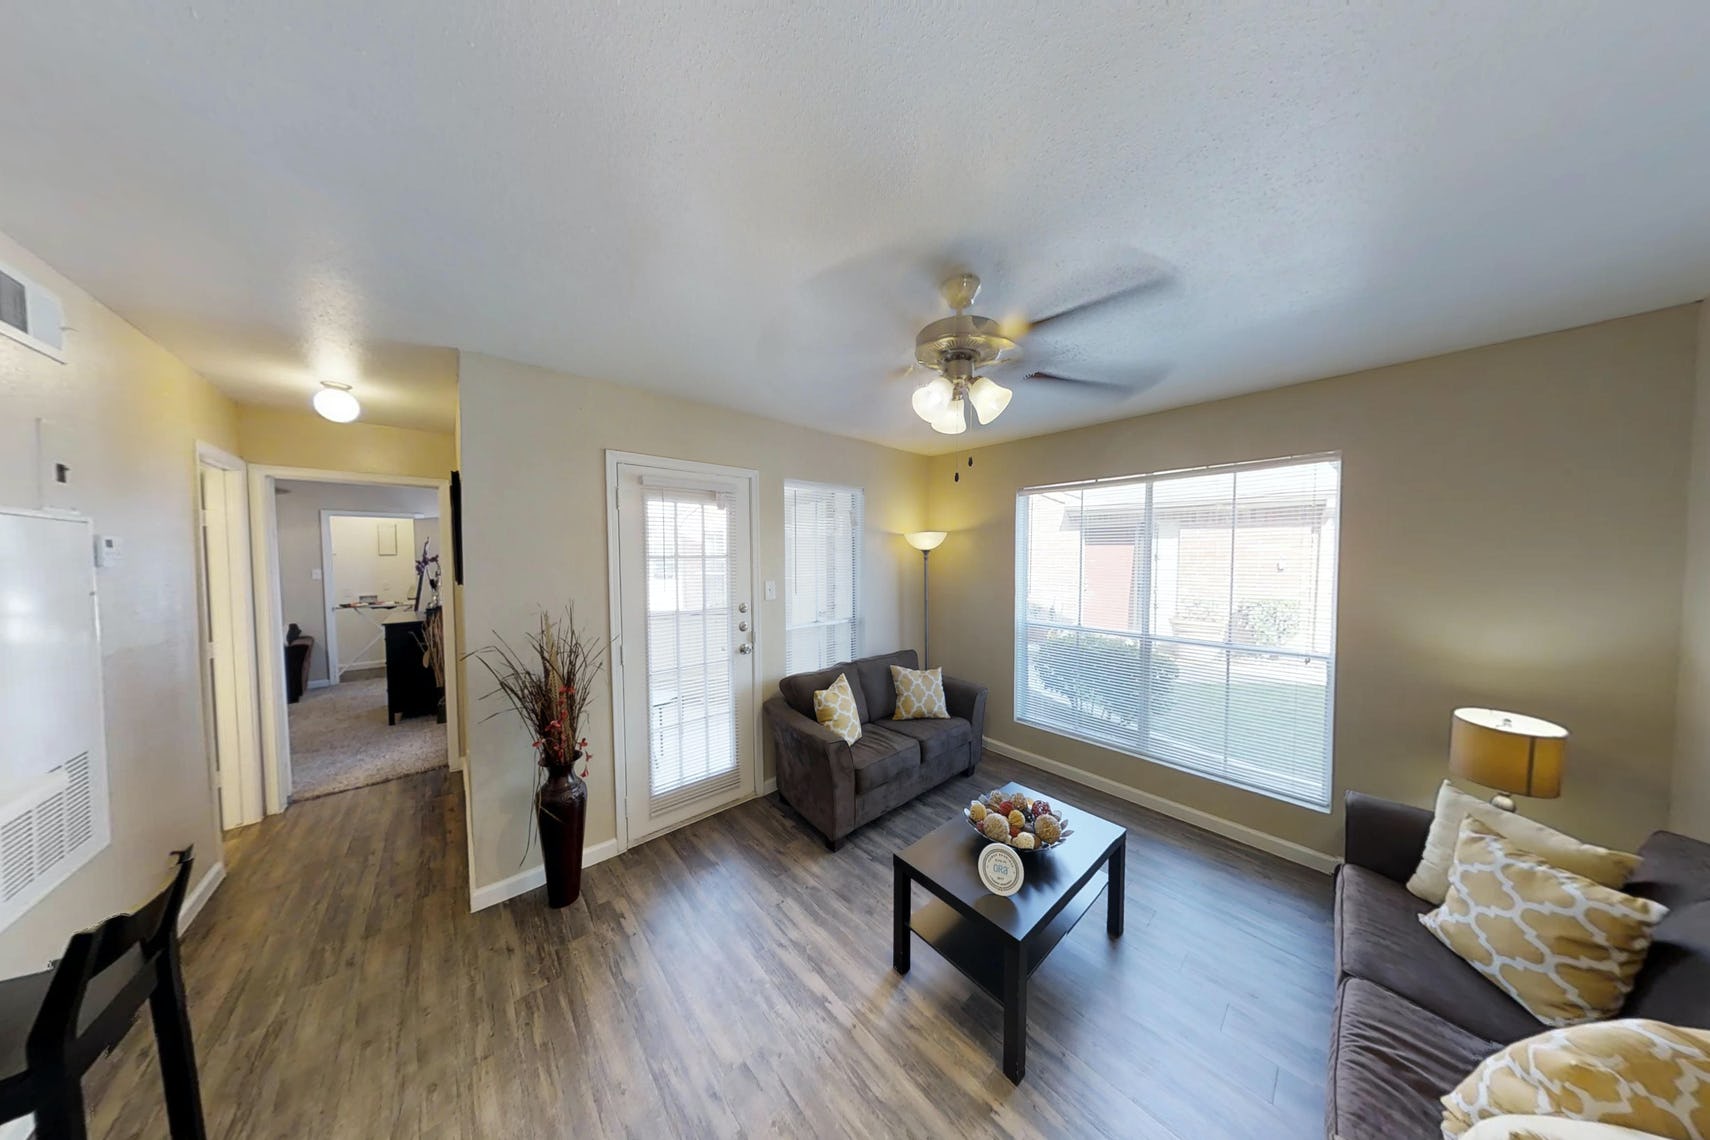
(926, 539)
(1508, 752)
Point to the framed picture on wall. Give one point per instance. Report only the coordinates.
(386, 539)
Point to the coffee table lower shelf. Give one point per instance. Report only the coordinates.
(968, 944)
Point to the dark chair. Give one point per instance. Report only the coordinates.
(299, 647)
(55, 1024)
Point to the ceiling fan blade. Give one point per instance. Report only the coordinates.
(1110, 385)
(1083, 308)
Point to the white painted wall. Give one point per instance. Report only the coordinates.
(360, 570)
(300, 545)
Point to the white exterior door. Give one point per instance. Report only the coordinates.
(686, 643)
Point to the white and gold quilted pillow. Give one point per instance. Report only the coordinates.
(834, 707)
(1633, 1073)
(1561, 945)
(920, 694)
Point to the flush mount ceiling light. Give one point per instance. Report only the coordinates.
(335, 402)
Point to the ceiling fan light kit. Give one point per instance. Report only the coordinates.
(956, 348)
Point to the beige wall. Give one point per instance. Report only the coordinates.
(533, 459)
(1690, 811)
(277, 438)
(1511, 536)
(130, 415)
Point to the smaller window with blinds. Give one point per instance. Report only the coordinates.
(1187, 618)
(822, 575)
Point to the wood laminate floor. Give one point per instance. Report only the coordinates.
(732, 978)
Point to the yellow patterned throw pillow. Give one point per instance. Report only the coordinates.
(1633, 1074)
(1561, 945)
(920, 694)
(835, 709)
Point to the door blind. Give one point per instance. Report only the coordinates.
(1186, 618)
(822, 575)
(693, 746)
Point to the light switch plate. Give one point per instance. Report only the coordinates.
(771, 590)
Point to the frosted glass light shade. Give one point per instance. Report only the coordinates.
(926, 539)
(953, 420)
(989, 398)
(1508, 752)
(337, 404)
(932, 399)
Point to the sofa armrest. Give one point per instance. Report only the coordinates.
(814, 767)
(968, 701)
(1385, 836)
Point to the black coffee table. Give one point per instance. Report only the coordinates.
(998, 942)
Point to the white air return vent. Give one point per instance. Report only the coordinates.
(30, 314)
(54, 814)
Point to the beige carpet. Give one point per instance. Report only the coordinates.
(340, 740)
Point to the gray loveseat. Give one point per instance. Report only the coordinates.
(1412, 1020)
(837, 787)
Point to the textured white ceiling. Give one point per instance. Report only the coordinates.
(748, 205)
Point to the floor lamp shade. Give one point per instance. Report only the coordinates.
(925, 540)
(1507, 751)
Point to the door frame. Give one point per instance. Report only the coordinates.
(614, 582)
(264, 532)
(236, 779)
(334, 673)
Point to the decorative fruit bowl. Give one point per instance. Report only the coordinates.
(1016, 819)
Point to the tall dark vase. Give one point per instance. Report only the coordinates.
(562, 814)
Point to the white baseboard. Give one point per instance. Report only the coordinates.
(323, 683)
(528, 879)
(769, 786)
(1216, 824)
(194, 902)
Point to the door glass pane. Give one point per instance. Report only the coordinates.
(691, 711)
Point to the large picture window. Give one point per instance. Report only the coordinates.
(822, 575)
(1187, 618)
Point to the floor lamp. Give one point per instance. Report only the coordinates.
(925, 541)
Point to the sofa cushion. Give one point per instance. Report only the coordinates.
(935, 737)
(1390, 1062)
(1563, 946)
(1379, 938)
(876, 682)
(882, 757)
(798, 689)
(1674, 986)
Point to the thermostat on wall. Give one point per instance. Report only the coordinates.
(109, 550)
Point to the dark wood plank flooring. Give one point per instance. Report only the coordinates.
(730, 979)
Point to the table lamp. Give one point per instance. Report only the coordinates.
(925, 541)
(1512, 753)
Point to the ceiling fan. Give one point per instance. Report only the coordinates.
(958, 349)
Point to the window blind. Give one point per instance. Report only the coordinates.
(1187, 618)
(822, 575)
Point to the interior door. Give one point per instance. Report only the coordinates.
(219, 639)
(686, 640)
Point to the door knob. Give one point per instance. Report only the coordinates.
(745, 648)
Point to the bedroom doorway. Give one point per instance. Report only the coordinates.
(355, 578)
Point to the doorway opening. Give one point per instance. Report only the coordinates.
(358, 583)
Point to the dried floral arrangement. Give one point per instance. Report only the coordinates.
(549, 683)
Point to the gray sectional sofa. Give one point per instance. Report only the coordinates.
(1412, 1020)
(837, 787)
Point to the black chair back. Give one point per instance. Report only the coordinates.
(118, 963)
